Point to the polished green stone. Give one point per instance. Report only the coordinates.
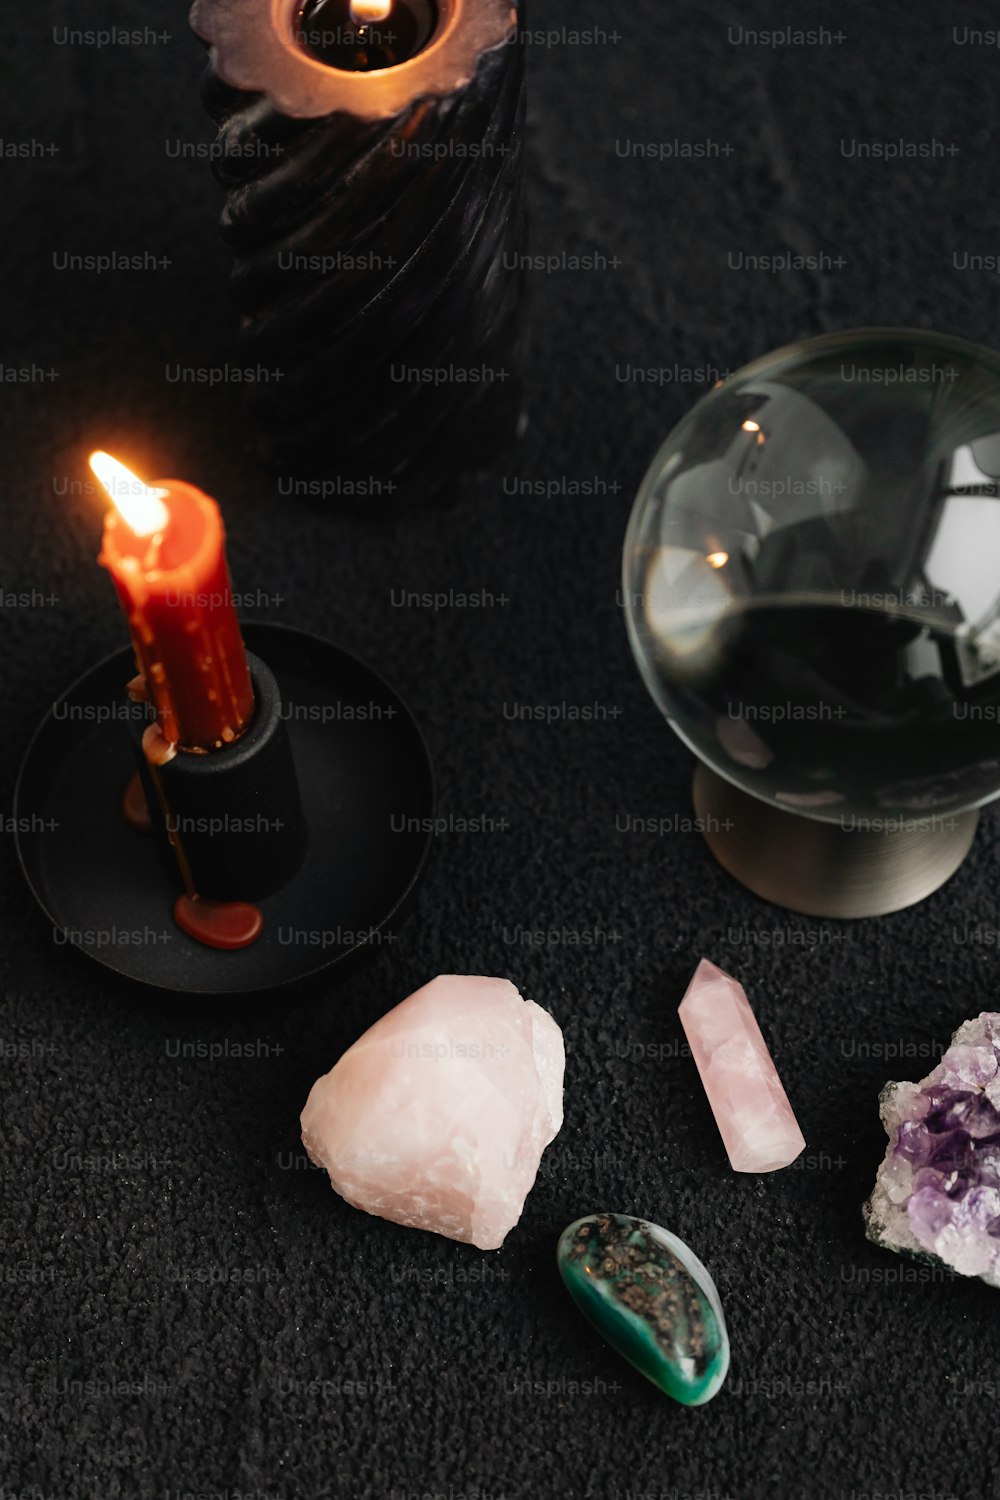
(651, 1298)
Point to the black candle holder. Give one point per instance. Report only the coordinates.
(233, 817)
(333, 756)
(377, 223)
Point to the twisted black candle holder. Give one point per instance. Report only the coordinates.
(377, 223)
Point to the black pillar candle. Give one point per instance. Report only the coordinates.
(375, 211)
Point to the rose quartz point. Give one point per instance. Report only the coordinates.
(438, 1116)
(758, 1129)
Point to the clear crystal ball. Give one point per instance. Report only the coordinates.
(812, 576)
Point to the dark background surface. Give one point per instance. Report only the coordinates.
(186, 1307)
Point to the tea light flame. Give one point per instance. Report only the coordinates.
(141, 508)
(367, 12)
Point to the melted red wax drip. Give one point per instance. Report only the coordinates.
(135, 808)
(219, 924)
(228, 925)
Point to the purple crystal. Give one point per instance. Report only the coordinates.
(938, 1189)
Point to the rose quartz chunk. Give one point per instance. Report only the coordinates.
(438, 1116)
(751, 1108)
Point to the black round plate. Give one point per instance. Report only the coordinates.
(367, 789)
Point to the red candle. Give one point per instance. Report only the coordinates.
(164, 546)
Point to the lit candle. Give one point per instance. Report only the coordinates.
(164, 546)
(372, 151)
(364, 36)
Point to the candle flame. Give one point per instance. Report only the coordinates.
(750, 425)
(141, 508)
(717, 559)
(366, 12)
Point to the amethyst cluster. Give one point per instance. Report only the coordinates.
(938, 1190)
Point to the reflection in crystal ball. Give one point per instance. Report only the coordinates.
(812, 577)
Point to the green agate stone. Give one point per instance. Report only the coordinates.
(651, 1298)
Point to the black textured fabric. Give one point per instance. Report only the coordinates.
(187, 1308)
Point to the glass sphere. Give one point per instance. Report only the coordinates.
(812, 576)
